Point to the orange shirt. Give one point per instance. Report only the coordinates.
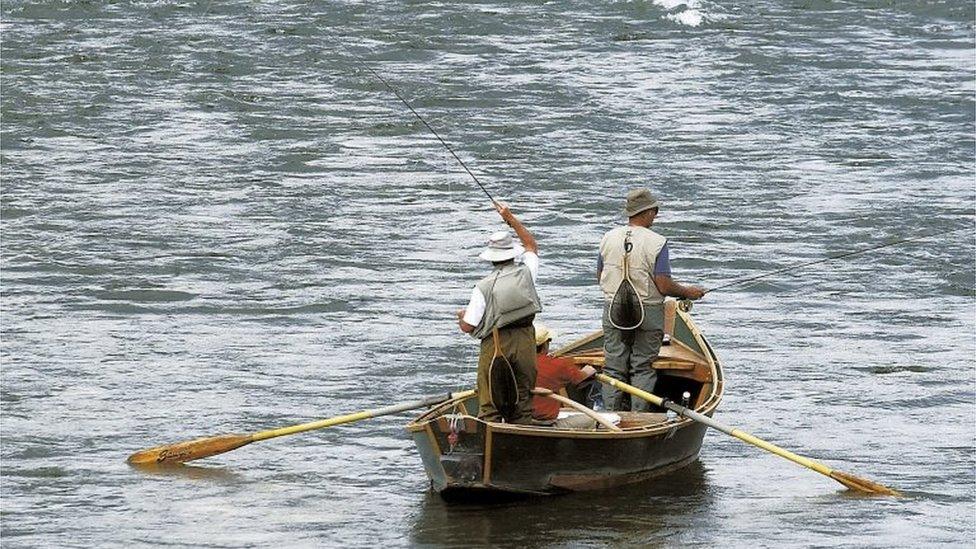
(553, 373)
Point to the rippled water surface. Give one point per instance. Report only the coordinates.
(215, 220)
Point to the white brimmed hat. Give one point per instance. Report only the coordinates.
(501, 247)
(542, 333)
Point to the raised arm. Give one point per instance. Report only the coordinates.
(528, 241)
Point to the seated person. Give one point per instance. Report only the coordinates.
(555, 373)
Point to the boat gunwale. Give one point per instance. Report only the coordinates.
(706, 408)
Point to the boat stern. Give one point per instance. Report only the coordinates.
(452, 449)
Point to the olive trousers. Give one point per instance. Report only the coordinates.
(628, 355)
(518, 346)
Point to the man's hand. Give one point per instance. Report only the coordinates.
(464, 326)
(506, 214)
(694, 292)
(528, 241)
(667, 286)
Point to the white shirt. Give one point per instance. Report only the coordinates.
(476, 306)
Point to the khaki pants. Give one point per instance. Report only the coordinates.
(518, 346)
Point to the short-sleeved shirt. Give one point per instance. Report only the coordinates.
(553, 373)
(476, 305)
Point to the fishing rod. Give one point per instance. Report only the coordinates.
(731, 283)
(831, 258)
(421, 118)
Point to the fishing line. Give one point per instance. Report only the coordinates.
(421, 118)
(832, 257)
(729, 284)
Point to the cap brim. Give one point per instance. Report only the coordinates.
(549, 335)
(630, 213)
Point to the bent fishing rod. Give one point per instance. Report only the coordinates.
(831, 258)
(726, 285)
(415, 113)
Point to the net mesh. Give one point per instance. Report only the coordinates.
(626, 311)
(503, 387)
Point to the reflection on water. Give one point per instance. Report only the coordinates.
(648, 511)
(190, 472)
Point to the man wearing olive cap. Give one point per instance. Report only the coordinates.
(629, 353)
(506, 299)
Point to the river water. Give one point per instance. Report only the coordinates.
(214, 220)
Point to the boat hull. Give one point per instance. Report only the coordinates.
(486, 458)
(466, 456)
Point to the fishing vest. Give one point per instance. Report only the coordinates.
(509, 296)
(647, 245)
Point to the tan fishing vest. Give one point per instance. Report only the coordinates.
(509, 296)
(647, 245)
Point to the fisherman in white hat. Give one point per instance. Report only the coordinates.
(634, 272)
(503, 305)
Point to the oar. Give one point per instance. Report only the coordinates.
(853, 482)
(211, 446)
(541, 391)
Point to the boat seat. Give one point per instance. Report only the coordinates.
(640, 419)
(670, 356)
(677, 357)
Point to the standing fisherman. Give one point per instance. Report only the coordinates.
(634, 271)
(502, 307)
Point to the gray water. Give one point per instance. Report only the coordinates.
(214, 220)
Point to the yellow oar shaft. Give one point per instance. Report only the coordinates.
(321, 424)
(211, 446)
(653, 399)
(349, 418)
(700, 418)
(851, 481)
(769, 447)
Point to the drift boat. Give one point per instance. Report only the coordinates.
(467, 457)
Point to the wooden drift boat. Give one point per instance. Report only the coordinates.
(467, 457)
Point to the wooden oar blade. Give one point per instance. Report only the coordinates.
(189, 450)
(853, 482)
(863, 485)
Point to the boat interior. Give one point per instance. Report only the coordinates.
(685, 364)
